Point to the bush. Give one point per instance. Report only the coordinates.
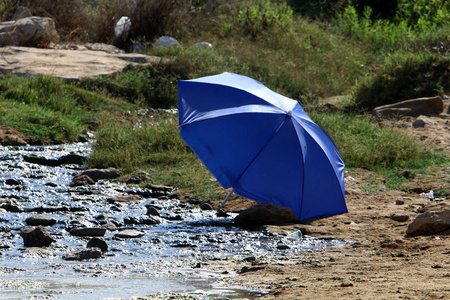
(404, 77)
(149, 86)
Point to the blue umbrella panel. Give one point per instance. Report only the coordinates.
(261, 144)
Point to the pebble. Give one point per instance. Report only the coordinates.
(88, 231)
(83, 254)
(129, 233)
(42, 220)
(399, 202)
(400, 218)
(97, 243)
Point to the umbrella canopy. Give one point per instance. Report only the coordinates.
(261, 144)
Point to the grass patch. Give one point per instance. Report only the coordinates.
(403, 77)
(48, 110)
(154, 146)
(363, 143)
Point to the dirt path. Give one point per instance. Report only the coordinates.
(380, 262)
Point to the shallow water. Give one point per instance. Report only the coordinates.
(172, 256)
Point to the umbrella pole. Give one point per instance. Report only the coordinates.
(226, 198)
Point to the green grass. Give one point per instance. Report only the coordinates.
(47, 110)
(340, 52)
(363, 143)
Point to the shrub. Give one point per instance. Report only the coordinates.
(403, 77)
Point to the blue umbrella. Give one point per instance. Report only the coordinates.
(261, 144)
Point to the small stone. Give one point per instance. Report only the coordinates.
(88, 231)
(97, 243)
(422, 121)
(166, 42)
(82, 254)
(400, 218)
(81, 180)
(399, 202)
(36, 237)
(42, 220)
(152, 211)
(10, 205)
(206, 206)
(110, 226)
(140, 221)
(123, 198)
(129, 233)
(203, 45)
(138, 177)
(249, 259)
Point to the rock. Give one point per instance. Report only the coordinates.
(97, 243)
(30, 31)
(69, 64)
(138, 177)
(138, 48)
(140, 221)
(35, 237)
(203, 45)
(399, 202)
(90, 253)
(66, 159)
(42, 220)
(73, 159)
(22, 12)
(12, 181)
(265, 214)
(160, 188)
(400, 218)
(414, 108)
(10, 205)
(91, 176)
(81, 180)
(422, 121)
(98, 174)
(109, 226)
(152, 211)
(121, 30)
(88, 231)
(129, 233)
(431, 222)
(165, 42)
(206, 206)
(11, 137)
(123, 198)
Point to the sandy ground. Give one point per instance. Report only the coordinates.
(380, 262)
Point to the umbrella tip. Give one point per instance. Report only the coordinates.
(290, 113)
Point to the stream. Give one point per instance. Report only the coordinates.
(188, 250)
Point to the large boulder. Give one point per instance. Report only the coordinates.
(74, 63)
(265, 214)
(31, 31)
(431, 222)
(414, 108)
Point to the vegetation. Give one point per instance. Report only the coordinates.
(306, 50)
